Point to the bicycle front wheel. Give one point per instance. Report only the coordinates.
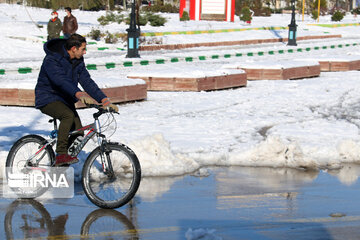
(113, 222)
(117, 184)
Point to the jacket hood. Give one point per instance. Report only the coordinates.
(55, 47)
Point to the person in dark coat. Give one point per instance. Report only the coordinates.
(57, 90)
(54, 26)
(70, 25)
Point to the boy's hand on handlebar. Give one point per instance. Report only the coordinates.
(109, 106)
(84, 98)
(112, 107)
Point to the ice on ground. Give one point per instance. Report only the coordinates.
(200, 233)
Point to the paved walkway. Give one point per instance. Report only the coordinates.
(225, 203)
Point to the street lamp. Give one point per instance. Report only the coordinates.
(133, 35)
(292, 26)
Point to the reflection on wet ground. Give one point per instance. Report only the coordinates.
(28, 218)
(229, 203)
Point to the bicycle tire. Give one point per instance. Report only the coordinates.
(22, 150)
(97, 185)
(92, 227)
(36, 210)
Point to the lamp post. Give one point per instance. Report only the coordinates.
(133, 35)
(292, 26)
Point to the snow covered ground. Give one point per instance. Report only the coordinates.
(310, 123)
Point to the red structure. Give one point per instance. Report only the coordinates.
(220, 10)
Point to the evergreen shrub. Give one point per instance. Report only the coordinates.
(245, 14)
(156, 20)
(95, 34)
(314, 14)
(110, 38)
(185, 16)
(337, 16)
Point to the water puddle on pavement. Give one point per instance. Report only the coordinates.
(229, 203)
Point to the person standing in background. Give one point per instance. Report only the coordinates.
(70, 25)
(54, 26)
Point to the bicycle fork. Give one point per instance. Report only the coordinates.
(105, 160)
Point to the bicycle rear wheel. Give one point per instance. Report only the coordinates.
(111, 188)
(27, 149)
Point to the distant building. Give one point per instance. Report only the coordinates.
(219, 10)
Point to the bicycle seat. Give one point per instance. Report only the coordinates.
(53, 120)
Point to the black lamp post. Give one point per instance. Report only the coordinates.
(292, 26)
(133, 35)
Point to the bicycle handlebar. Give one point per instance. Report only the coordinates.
(101, 110)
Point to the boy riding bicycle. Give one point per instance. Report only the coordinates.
(57, 90)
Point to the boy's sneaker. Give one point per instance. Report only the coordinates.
(65, 159)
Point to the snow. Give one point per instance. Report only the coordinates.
(191, 72)
(308, 123)
(348, 58)
(274, 64)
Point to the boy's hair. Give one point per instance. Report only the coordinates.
(68, 8)
(74, 40)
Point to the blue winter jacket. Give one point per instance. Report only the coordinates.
(59, 77)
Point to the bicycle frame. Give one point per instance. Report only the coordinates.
(93, 129)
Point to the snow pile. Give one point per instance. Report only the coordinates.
(272, 153)
(156, 156)
(272, 64)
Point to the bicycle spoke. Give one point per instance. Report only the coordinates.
(116, 186)
(27, 154)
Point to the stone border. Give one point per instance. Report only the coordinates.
(26, 97)
(282, 73)
(194, 84)
(230, 43)
(17, 97)
(338, 65)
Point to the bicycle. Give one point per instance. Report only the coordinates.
(111, 173)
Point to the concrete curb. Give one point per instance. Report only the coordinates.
(334, 25)
(230, 43)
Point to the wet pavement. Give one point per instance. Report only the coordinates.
(225, 203)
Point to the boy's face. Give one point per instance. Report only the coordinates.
(79, 52)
